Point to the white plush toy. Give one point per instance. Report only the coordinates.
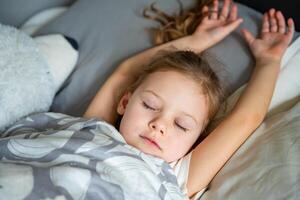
(60, 56)
(31, 71)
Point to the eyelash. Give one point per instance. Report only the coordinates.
(182, 128)
(147, 107)
(150, 108)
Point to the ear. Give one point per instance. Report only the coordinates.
(123, 103)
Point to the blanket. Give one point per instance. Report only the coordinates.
(56, 156)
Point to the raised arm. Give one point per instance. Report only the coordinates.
(211, 30)
(210, 155)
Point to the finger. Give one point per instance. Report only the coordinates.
(214, 11)
(265, 24)
(233, 13)
(205, 11)
(291, 28)
(273, 22)
(231, 26)
(225, 9)
(248, 36)
(280, 22)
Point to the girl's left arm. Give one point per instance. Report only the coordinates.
(214, 151)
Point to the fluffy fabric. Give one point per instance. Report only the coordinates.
(26, 84)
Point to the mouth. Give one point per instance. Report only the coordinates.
(152, 142)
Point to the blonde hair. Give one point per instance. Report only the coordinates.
(180, 25)
(174, 27)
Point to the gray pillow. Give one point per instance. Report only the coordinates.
(110, 31)
(107, 32)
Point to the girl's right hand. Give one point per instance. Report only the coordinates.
(274, 38)
(216, 23)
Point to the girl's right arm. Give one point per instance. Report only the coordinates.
(214, 151)
(211, 30)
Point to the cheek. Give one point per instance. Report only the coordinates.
(175, 147)
(134, 120)
(180, 146)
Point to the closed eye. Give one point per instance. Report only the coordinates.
(147, 107)
(182, 128)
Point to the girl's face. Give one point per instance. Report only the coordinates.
(164, 116)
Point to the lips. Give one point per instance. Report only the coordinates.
(152, 141)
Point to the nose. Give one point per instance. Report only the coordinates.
(158, 125)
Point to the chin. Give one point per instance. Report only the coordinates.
(170, 160)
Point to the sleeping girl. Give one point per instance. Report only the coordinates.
(169, 95)
(147, 133)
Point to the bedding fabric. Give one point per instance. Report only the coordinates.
(41, 18)
(55, 156)
(266, 166)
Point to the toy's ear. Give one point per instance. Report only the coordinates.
(123, 103)
(60, 53)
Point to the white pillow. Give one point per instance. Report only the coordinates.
(40, 19)
(266, 166)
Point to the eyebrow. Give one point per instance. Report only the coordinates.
(150, 91)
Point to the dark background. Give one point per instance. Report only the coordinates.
(290, 8)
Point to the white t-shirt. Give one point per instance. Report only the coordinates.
(181, 170)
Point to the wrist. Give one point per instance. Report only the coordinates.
(200, 42)
(194, 43)
(267, 61)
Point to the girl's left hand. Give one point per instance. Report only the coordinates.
(274, 38)
(217, 24)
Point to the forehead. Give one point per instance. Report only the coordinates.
(177, 91)
(172, 81)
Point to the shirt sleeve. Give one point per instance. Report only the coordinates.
(181, 170)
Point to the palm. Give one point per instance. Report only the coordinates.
(270, 44)
(274, 38)
(217, 25)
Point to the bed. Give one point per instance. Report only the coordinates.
(267, 166)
